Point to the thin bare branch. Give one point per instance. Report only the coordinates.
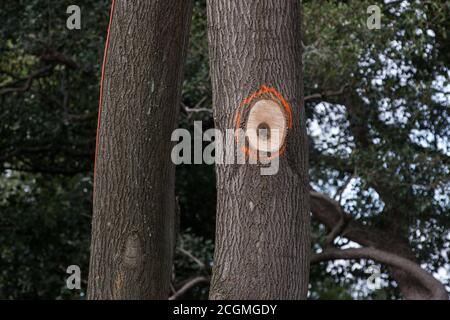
(192, 257)
(7, 88)
(187, 109)
(336, 231)
(189, 285)
(326, 94)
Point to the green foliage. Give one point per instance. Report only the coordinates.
(202, 250)
(391, 138)
(387, 132)
(45, 224)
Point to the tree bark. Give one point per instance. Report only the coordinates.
(133, 218)
(262, 238)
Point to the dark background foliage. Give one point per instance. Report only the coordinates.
(378, 120)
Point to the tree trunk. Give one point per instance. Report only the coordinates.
(262, 240)
(133, 218)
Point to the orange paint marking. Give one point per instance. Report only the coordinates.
(100, 102)
(247, 101)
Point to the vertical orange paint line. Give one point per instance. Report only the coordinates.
(105, 53)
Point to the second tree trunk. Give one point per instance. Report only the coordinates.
(262, 239)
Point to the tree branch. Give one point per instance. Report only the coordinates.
(326, 94)
(435, 288)
(192, 257)
(196, 109)
(189, 285)
(28, 81)
(328, 212)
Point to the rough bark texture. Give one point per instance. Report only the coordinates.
(262, 238)
(133, 221)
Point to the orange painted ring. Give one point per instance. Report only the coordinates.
(287, 109)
